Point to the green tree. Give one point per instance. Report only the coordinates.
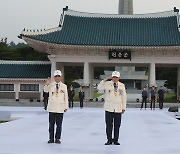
(169, 74)
(20, 52)
(72, 73)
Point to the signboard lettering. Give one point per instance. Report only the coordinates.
(119, 54)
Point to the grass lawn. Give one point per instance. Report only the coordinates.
(76, 97)
(170, 97)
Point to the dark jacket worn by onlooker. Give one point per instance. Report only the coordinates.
(71, 94)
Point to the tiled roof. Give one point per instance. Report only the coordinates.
(36, 71)
(114, 31)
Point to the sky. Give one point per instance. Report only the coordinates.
(15, 15)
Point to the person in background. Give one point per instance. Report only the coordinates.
(144, 97)
(45, 100)
(57, 105)
(161, 94)
(115, 105)
(81, 97)
(153, 97)
(71, 94)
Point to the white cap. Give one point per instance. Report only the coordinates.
(116, 74)
(57, 72)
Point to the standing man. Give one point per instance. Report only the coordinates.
(81, 97)
(115, 105)
(161, 93)
(144, 97)
(153, 97)
(45, 100)
(71, 94)
(57, 105)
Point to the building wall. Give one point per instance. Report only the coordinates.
(22, 90)
(150, 57)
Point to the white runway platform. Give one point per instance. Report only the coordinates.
(142, 132)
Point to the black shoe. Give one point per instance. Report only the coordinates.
(108, 142)
(50, 141)
(116, 143)
(57, 141)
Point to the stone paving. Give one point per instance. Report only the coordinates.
(142, 132)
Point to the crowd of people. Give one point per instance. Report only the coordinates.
(154, 95)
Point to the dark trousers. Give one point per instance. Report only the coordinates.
(152, 102)
(81, 103)
(55, 118)
(144, 100)
(71, 101)
(45, 103)
(112, 120)
(161, 101)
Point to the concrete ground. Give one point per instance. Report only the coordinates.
(142, 132)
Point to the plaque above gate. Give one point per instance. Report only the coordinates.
(119, 54)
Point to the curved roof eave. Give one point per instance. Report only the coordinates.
(99, 40)
(48, 46)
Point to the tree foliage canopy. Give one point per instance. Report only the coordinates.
(19, 52)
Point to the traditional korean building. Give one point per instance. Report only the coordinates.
(23, 80)
(92, 39)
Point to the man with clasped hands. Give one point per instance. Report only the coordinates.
(115, 105)
(57, 105)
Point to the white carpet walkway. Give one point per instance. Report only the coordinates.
(142, 132)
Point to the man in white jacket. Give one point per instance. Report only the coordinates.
(115, 105)
(57, 105)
